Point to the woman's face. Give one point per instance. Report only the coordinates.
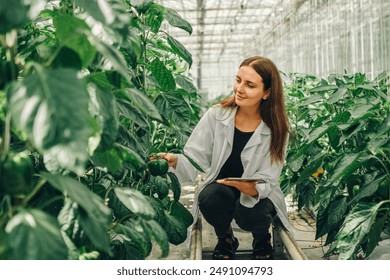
(249, 88)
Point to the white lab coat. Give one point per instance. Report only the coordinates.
(210, 144)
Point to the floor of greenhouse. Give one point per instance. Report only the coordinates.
(303, 232)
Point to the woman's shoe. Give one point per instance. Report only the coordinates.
(226, 248)
(262, 249)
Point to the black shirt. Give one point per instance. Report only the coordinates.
(233, 165)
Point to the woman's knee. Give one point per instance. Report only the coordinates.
(258, 218)
(217, 194)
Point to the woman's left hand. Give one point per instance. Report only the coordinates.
(248, 188)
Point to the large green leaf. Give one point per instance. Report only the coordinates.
(111, 13)
(310, 100)
(106, 80)
(131, 159)
(342, 117)
(370, 88)
(158, 207)
(136, 235)
(178, 211)
(130, 139)
(15, 13)
(310, 169)
(368, 189)
(318, 132)
(179, 49)
(351, 129)
(51, 108)
(176, 20)
(185, 84)
(132, 113)
(300, 151)
(337, 211)
(95, 217)
(173, 106)
(162, 75)
(323, 88)
(338, 95)
(175, 229)
(108, 159)
(362, 111)
(103, 109)
(70, 225)
(334, 136)
(306, 193)
(175, 186)
(296, 164)
(141, 100)
(322, 226)
(376, 144)
(347, 164)
(157, 233)
(70, 32)
(3, 244)
(113, 55)
(141, 5)
(125, 250)
(154, 18)
(136, 202)
(374, 235)
(34, 235)
(357, 226)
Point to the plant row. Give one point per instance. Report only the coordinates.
(89, 92)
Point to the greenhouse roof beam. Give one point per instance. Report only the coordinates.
(225, 9)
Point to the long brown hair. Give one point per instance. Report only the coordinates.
(272, 110)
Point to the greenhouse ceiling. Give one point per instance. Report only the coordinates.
(221, 26)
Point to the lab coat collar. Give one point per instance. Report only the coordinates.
(229, 123)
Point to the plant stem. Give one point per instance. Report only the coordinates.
(106, 199)
(53, 56)
(125, 218)
(4, 218)
(50, 201)
(381, 162)
(4, 147)
(35, 191)
(163, 140)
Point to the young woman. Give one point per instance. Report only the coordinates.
(243, 136)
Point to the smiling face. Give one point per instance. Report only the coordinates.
(249, 88)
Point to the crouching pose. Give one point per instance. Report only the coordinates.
(243, 136)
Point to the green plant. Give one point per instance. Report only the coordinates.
(338, 159)
(88, 92)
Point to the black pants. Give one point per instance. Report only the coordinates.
(220, 204)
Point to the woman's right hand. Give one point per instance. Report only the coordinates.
(170, 158)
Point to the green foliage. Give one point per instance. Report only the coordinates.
(88, 91)
(33, 234)
(50, 95)
(338, 158)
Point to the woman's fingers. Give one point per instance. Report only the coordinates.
(170, 158)
(162, 155)
(248, 188)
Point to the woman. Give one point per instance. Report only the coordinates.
(243, 136)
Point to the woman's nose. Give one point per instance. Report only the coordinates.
(239, 88)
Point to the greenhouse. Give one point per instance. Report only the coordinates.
(194, 130)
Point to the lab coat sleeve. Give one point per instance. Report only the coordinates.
(270, 173)
(199, 148)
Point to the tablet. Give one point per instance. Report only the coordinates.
(246, 179)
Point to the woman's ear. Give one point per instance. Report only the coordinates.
(266, 94)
